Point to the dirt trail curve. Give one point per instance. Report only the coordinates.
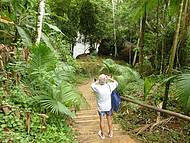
(87, 122)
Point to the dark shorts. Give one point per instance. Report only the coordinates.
(102, 113)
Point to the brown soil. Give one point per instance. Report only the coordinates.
(87, 122)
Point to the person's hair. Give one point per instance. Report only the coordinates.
(102, 79)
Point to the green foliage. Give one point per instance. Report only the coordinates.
(58, 98)
(87, 25)
(25, 37)
(122, 73)
(148, 84)
(51, 82)
(42, 58)
(115, 69)
(183, 91)
(13, 129)
(47, 41)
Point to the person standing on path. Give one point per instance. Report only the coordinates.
(103, 88)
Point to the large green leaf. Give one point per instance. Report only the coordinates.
(183, 91)
(25, 37)
(148, 84)
(47, 41)
(55, 28)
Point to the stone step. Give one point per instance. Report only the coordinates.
(86, 121)
(95, 131)
(86, 117)
(87, 112)
(118, 137)
(95, 126)
(121, 139)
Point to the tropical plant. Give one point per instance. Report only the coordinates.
(51, 81)
(122, 73)
(183, 91)
(148, 84)
(58, 98)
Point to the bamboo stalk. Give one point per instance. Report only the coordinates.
(178, 115)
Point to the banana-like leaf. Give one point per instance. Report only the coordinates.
(25, 37)
(47, 41)
(53, 27)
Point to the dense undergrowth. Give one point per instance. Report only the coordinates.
(138, 121)
(38, 98)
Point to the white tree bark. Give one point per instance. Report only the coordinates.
(40, 20)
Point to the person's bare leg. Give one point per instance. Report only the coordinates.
(101, 124)
(109, 119)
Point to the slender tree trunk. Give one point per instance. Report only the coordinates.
(157, 35)
(163, 39)
(165, 21)
(175, 41)
(186, 22)
(114, 28)
(40, 20)
(142, 39)
(184, 33)
(137, 47)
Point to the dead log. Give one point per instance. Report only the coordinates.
(175, 114)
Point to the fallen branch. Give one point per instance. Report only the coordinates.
(178, 115)
(141, 129)
(165, 121)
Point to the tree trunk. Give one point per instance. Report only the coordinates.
(142, 39)
(40, 20)
(114, 29)
(164, 37)
(137, 47)
(175, 41)
(178, 115)
(157, 36)
(186, 22)
(184, 32)
(172, 54)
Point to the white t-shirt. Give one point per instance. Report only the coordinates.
(103, 94)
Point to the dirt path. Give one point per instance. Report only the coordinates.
(87, 122)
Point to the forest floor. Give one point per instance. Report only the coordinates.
(87, 122)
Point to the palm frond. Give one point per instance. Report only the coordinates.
(60, 99)
(42, 58)
(64, 72)
(55, 106)
(183, 91)
(70, 96)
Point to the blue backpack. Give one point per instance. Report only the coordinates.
(115, 101)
